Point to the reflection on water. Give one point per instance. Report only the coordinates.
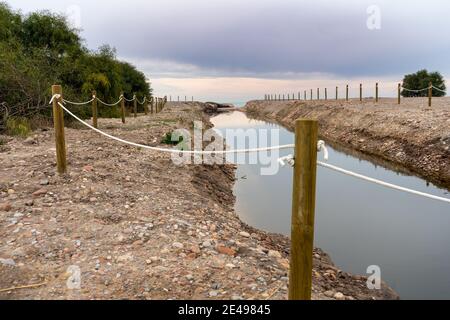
(359, 224)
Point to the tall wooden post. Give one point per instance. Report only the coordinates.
(94, 110)
(299, 96)
(304, 96)
(58, 122)
(311, 94)
(326, 94)
(303, 210)
(337, 93)
(122, 107)
(346, 93)
(135, 105)
(360, 92)
(376, 92)
(399, 93)
(318, 94)
(152, 101)
(430, 93)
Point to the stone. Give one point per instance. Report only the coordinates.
(88, 168)
(213, 294)
(206, 244)
(29, 202)
(177, 245)
(44, 182)
(274, 254)
(39, 193)
(29, 141)
(5, 207)
(329, 294)
(244, 234)
(339, 296)
(226, 251)
(7, 262)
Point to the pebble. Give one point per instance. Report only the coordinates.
(226, 251)
(213, 293)
(39, 193)
(206, 244)
(339, 296)
(44, 182)
(5, 207)
(177, 245)
(274, 254)
(8, 262)
(329, 294)
(244, 234)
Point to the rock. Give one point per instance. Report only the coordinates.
(39, 193)
(206, 244)
(29, 202)
(329, 294)
(125, 258)
(244, 234)
(29, 141)
(237, 298)
(7, 262)
(11, 191)
(18, 253)
(5, 207)
(226, 251)
(274, 254)
(213, 293)
(177, 245)
(339, 296)
(44, 182)
(88, 168)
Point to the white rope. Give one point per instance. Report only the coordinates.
(382, 183)
(140, 102)
(416, 91)
(173, 150)
(78, 103)
(439, 89)
(111, 104)
(129, 100)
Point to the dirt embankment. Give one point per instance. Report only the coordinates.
(135, 225)
(410, 135)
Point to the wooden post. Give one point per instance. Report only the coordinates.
(299, 96)
(430, 93)
(399, 92)
(152, 100)
(58, 122)
(326, 94)
(360, 92)
(94, 110)
(318, 94)
(304, 96)
(135, 105)
(376, 92)
(146, 106)
(303, 208)
(337, 93)
(346, 93)
(311, 94)
(122, 107)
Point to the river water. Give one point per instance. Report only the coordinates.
(359, 224)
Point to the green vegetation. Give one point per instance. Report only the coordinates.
(421, 80)
(18, 126)
(41, 49)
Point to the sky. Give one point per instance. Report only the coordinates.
(235, 50)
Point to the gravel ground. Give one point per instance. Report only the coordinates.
(411, 136)
(136, 226)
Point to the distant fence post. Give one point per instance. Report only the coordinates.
(399, 93)
(360, 92)
(152, 100)
(376, 92)
(346, 93)
(58, 122)
(318, 94)
(94, 109)
(306, 98)
(311, 94)
(430, 93)
(326, 94)
(337, 93)
(135, 105)
(145, 105)
(122, 107)
(299, 96)
(303, 208)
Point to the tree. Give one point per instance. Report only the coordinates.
(421, 80)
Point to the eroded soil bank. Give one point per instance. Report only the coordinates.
(410, 135)
(136, 225)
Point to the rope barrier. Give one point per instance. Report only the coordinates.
(416, 91)
(141, 103)
(174, 150)
(438, 89)
(129, 100)
(111, 104)
(382, 183)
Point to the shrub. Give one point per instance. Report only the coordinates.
(18, 126)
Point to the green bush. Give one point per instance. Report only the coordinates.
(18, 126)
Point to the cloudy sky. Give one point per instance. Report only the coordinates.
(234, 50)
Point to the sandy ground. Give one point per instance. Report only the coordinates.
(136, 226)
(411, 135)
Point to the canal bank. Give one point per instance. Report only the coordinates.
(411, 136)
(357, 223)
